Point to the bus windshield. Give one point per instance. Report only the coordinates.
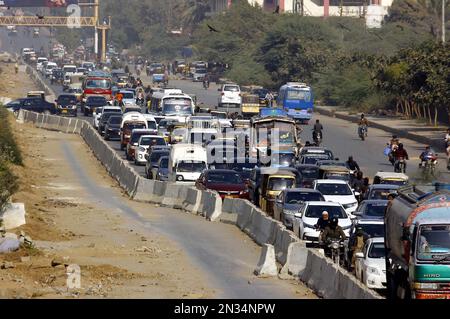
(98, 84)
(303, 95)
(177, 106)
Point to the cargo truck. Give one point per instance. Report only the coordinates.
(417, 240)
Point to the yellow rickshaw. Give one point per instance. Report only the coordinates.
(334, 172)
(272, 186)
(250, 105)
(391, 178)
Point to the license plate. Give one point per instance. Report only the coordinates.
(228, 196)
(64, 111)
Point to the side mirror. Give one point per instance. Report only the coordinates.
(135, 144)
(359, 255)
(298, 215)
(357, 193)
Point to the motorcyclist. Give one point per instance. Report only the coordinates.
(394, 141)
(426, 155)
(323, 221)
(119, 97)
(352, 165)
(400, 153)
(356, 244)
(317, 129)
(358, 182)
(332, 232)
(363, 122)
(206, 81)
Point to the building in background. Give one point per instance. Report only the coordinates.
(373, 11)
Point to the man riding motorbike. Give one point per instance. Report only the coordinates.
(206, 82)
(426, 156)
(356, 244)
(332, 232)
(352, 165)
(363, 124)
(317, 130)
(400, 154)
(358, 184)
(323, 221)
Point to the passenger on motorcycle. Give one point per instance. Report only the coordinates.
(399, 154)
(322, 222)
(332, 232)
(447, 141)
(426, 156)
(358, 184)
(317, 129)
(352, 165)
(363, 122)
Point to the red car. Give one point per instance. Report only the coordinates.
(228, 183)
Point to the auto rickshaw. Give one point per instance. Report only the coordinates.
(335, 172)
(250, 105)
(391, 178)
(272, 185)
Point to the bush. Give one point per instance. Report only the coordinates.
(9, 149)
(8, 183)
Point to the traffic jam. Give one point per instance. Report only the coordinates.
(381, 228)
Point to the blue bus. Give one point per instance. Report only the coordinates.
(297, 100)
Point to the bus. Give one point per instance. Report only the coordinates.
(297, 100)
(97, 83)
(173, 105)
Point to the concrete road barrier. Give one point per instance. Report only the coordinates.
(171, 194)
(244, 209)
(192, 201)
(283, 238)
(212, 205)
(159, 191)
(144, 190)
(267, 266)
(297, 256)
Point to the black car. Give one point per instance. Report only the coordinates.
(35, 104)
(104, 119)
(92, 102)
(309, 174)
(66, 104)
(13, 104)
(152, 162)
(112, 127)
(57, 76)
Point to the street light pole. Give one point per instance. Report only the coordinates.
(443, 21)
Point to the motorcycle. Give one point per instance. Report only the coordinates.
(206, 85)
(336, 248)
(140, 101)
(362, 132)
(400, 165)
(430, 164)
(317, 138)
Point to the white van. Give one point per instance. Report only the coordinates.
(40, 63)
(186, 162)
(69, 69)
(49, 68)
(133, 117)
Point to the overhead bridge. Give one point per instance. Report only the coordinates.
(34, 21)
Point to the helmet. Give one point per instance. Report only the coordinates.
(362, 115)
(400, 146)
(394, 136)
(334, 222)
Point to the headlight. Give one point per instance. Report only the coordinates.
(426, 285)
(243, 192)
(335, 245)
(127, 136)
(306, 225)
(372, 270)
(346, 206)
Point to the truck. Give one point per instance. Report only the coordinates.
(186, 162)
(417, 242)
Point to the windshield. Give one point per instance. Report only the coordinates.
(298, 197)
(376, 210)
(133, 126)
(434, 242)
(127, 95)
(191, 167)
(377, 250)
(334, 189)
(151, 125)
(70, 70)
(154, 158)
(283, 159)
(303, 95)
(164, 163)
(99, 100)
(309, 173)
(373, 230)
(98, 84)
(136, 136)
(105, 117)
(225, 178)
(231, 88)
(312, 159)
(333, 211)
(336, 175)
(219, 115)
(200, 71)
(381, 193)
(393, 182)
(66, 100)
(177, 106)
(280, 183)
(115, 120)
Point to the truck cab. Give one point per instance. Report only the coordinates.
(186, 162)
(417, 240)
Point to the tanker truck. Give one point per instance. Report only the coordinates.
(417, 242)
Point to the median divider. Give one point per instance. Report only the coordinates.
(192, 201)
(212, 205)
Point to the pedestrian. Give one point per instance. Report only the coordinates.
(269, 99)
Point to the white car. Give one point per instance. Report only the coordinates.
(370, 265)
(40, 63)
(49, 69)
(310, 213)
(230, 94)
(141, 149)
(100, 110)
(128, 97)
(338, 191)
(199, 75)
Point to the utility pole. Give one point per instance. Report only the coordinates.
(443, 20)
